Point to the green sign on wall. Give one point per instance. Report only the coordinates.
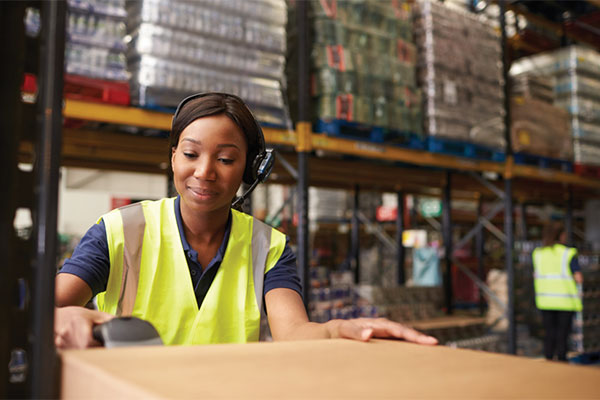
(431, 208)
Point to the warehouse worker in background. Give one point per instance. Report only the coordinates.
(196, 268)
(556, 272)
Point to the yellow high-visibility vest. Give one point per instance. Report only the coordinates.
(150, 279)
(555, 288)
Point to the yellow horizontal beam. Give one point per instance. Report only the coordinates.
(545, 174)
(132, 116)
(115, 114)
(280, 136)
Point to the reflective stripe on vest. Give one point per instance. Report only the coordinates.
(226, 315)
(261, 241)
(555, 288)
(564, 274)
(134, 224)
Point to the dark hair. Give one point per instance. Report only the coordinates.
(551, 233)
(233, 107)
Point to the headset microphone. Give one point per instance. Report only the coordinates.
(262, 174)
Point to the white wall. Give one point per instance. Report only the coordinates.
(86, 194)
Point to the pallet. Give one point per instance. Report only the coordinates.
(349, 130)
(592, 171)
(97, 90)
(405, 139)
(463, 149)
(543, 162)
(376, 134)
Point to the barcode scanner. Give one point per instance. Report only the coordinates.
(126, 331)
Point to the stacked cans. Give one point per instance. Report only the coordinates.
(363, 64)
(575, 72)
(460, 73)
(182, 47)
(402, 303)
(95, 45)
(333, 296)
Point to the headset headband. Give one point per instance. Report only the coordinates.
(261, 138)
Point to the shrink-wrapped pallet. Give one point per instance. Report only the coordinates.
(459, 59)
(575, 73)
(182, 47)
(95, 39)
(362, 64)
(540, 128)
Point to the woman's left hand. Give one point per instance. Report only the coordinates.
(364, 329)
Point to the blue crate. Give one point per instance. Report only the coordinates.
(543, 162)
(463, 149)
(586, 358)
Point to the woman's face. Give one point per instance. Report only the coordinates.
(208, 163)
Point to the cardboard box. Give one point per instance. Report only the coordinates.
(320, 369)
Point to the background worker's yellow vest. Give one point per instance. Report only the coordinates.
(555, 288)
(150, 279)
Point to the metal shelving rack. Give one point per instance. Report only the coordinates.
(443, 175)
(28, 357)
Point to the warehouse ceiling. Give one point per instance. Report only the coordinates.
(546, 25)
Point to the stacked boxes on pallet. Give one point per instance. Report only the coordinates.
(575, 72)
(538, 127)
(460, 72)
(182, 47)
(363, 67)
(95, 40)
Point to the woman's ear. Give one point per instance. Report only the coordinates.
(173, 150)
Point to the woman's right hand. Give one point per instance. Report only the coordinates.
(73, 326)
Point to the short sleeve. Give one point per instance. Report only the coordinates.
(284, 274)
(90, 260)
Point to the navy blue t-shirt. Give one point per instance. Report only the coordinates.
(90, 261)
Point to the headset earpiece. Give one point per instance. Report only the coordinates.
(265, 166)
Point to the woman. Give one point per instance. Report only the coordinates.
(556, 272)
(198, 270)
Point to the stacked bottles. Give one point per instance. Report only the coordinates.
(182, 47)
(461, 75)
(95, 45)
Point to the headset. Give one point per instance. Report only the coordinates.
(257, 170)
